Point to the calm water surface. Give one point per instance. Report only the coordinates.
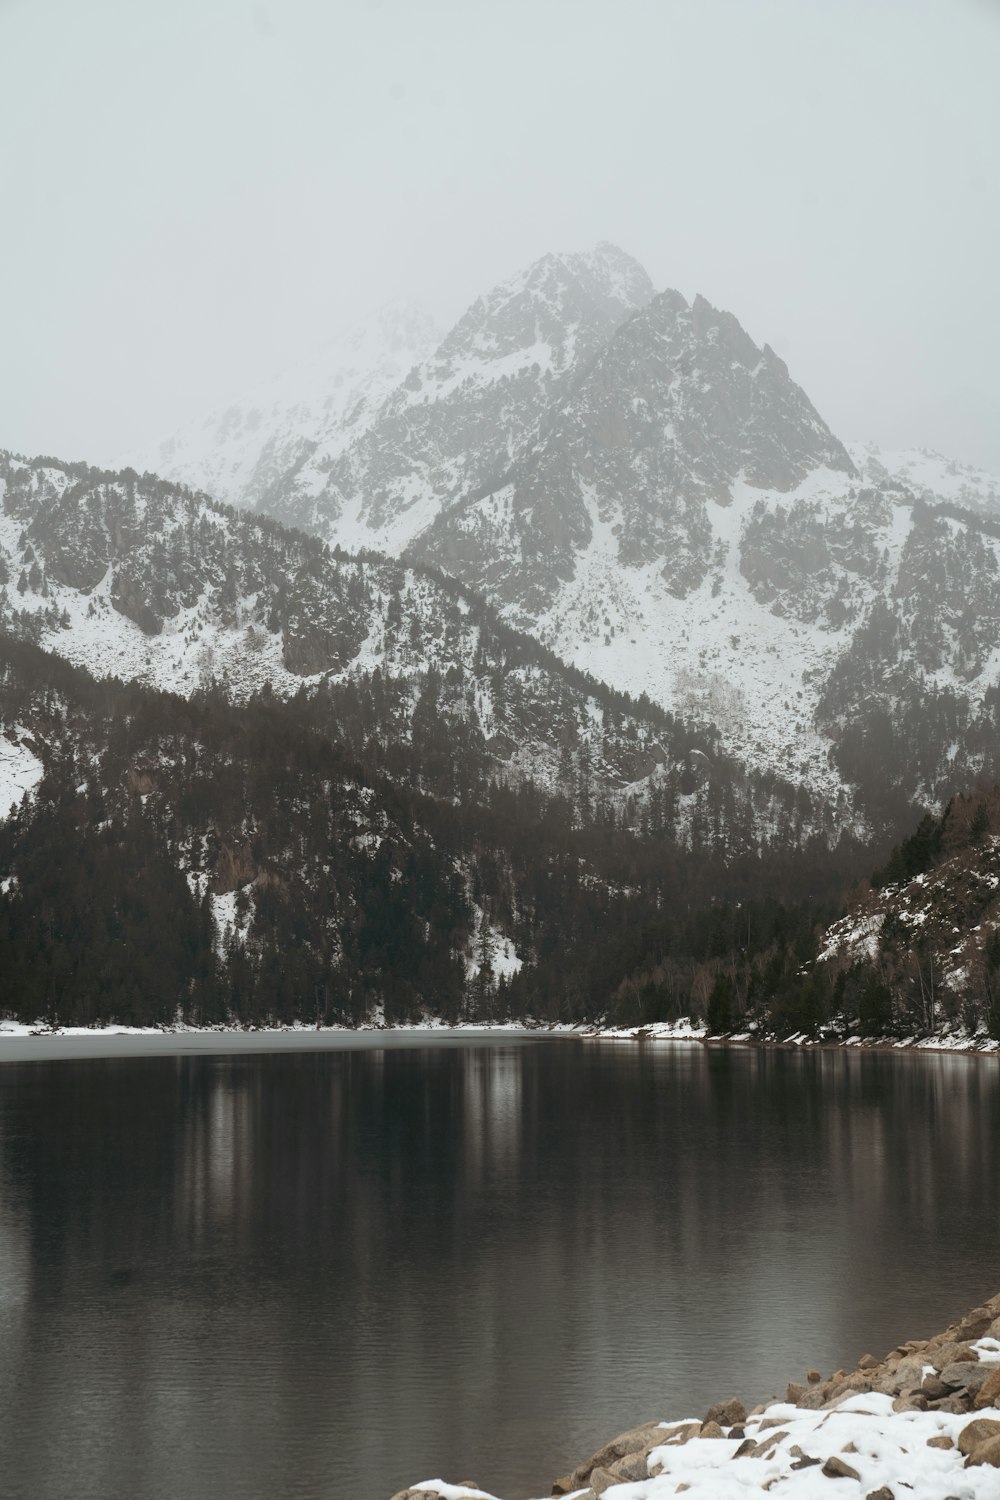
(327, 1274)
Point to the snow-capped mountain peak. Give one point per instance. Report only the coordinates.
(240, 452)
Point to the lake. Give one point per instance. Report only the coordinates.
(329, 1273)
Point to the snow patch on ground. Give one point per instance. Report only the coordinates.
(20, 768)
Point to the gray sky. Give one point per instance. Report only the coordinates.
(197, 192)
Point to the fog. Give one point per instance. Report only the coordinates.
(198, 193)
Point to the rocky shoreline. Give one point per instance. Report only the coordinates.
(961, 1044)
(922, 1423)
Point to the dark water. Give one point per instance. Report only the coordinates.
(328, 1274)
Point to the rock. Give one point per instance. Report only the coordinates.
(813, 1377)
(976, 1323)
(601, 1480)
(908, 1373)
(958, 1405)
(711, 1430)
(941, 1441)
(989, 1391)
(885, 1493)
(968, 1377)
(628, 1470)
(934, 1388)
(994, 1329)
(795, 1392)
(867, 1362)
(806, 1462)
(911, 1401)
(949, 1353)
(727, 1413)
(768, 1444)
(636, 1440)
(974, 1434)
(986, 1453)
(835, 1468)
(747, 1446)
(817, 1397)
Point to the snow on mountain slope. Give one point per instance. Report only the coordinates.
(139, 579)
(459, 419)
(930, 475)
(245, 453)
(678, 406)
(20, 767)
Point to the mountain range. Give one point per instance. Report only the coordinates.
(630, 479)
(592, 564)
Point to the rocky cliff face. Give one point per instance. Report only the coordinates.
(678, 405)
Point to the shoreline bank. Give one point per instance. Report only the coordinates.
(923, 1422)
(21, 1043)
(959, 1044)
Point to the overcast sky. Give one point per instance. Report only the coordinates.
(197, 192)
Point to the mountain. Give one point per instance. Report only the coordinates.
(244, 453)
(453, 423)
(203, 861)
(411, 673)
(635, 482)
(920, 947)
(930, 476)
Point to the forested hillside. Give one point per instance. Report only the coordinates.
(199, 859)
(146, 580)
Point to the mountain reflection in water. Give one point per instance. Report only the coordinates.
(331, 1273)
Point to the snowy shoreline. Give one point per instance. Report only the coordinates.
(923, 1421)
(958, 1043)
(20, 1042)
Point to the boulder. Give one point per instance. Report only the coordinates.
(911, 1401)
(941, 1441)
(986, 1453)
(974, 1434)
(836, 1468)
(817, 1397)
(949, 1353)
(882, 1493)
(601, 1480)
(628, 1470)
(934, 1388)
(989, 1391)
(907, 1375)
(867, 1362)
(976, 1323)
(711, 1430)
(635, 1440)
(968, 1377)
(727, 1413)
(958, 1404)
(813, 1377)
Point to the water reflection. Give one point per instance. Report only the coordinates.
(326, 1274)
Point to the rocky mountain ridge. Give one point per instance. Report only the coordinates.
(145, 580)
(631, 479)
